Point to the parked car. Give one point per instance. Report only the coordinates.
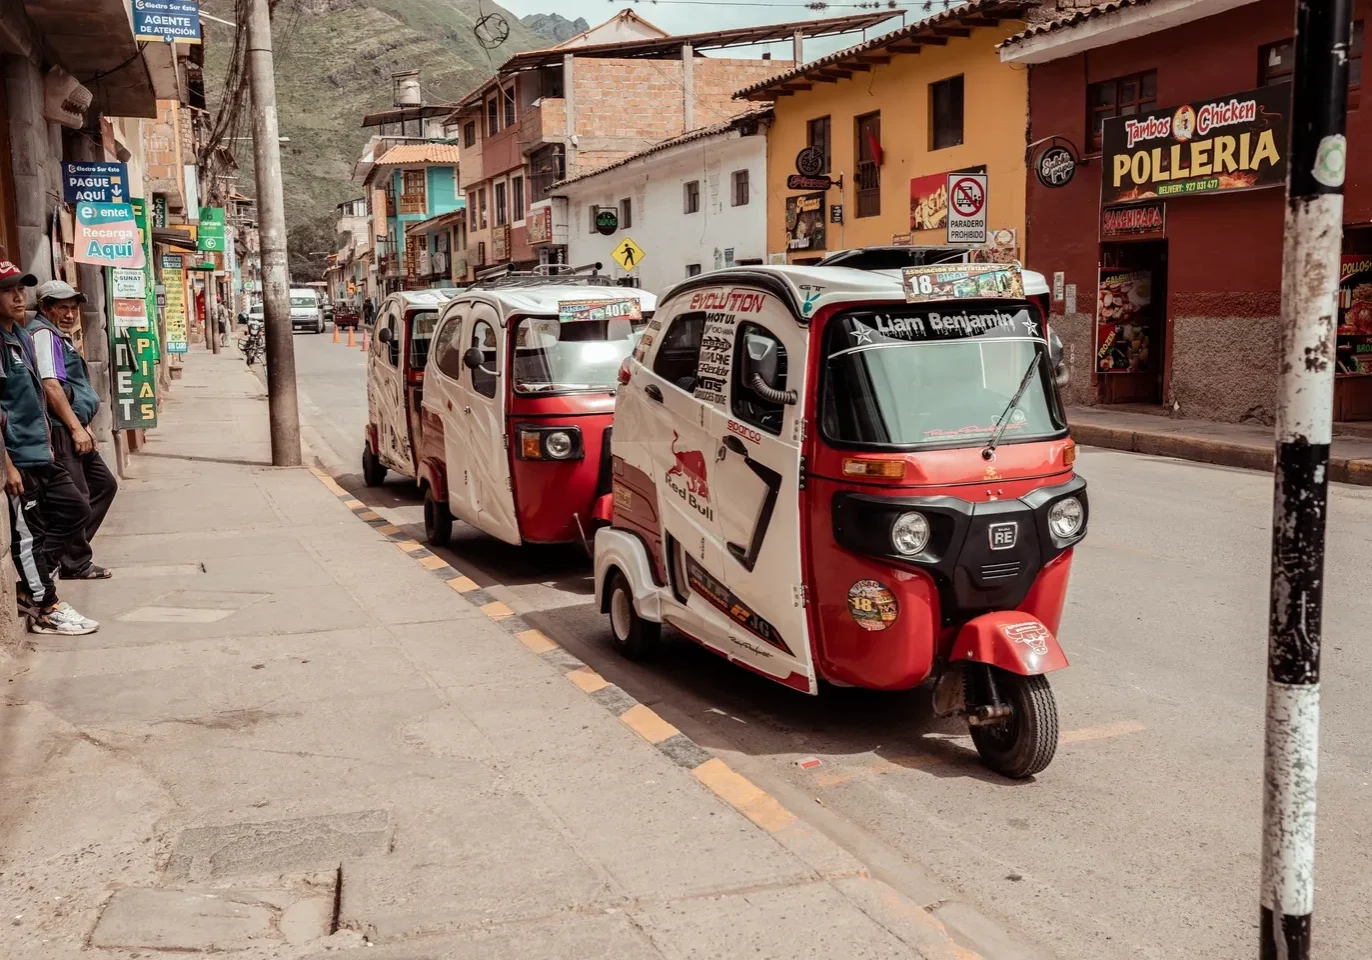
(307, 310)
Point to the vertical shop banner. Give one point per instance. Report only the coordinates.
(95, 182)
(805, 222)
(1355, 315)
(1124, 325)
(142, 216)
(166, 21)
(107, 235)
(135, 380)
(174, 279)
(159, 210)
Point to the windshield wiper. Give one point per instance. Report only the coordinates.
(1003, 420)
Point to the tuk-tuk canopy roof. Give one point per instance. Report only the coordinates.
(436, 297)
(543, 299)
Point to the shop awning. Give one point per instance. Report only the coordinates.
(93, 41)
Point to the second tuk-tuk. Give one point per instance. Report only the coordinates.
(855, 476)
(518, 402)
(396, 359)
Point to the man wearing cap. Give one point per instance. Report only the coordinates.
(46, 509)
(72, 404)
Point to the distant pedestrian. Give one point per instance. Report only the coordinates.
(368, 312)
(46, 509)
(72, 405)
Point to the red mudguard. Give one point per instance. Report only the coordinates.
(1011, 640)
(605, 509)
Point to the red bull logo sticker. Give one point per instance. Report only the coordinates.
(689, 480)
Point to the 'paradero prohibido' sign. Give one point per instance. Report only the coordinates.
(1235, 142)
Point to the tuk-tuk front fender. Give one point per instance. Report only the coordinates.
(623, 551)
(433, 474)
(1012, 640)
(372, 444)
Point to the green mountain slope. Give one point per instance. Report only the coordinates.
(334, 60)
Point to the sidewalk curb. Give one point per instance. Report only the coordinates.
(1203, 450)
(905, 919)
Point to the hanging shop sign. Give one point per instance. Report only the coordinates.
(810, 162)
(805, 227)
(107, 235)
(95, 182)
(159, 210)
(1124, 324)
(166, 21)
(174, 278)
(836, 213)
(1136, 221)
(1230, 143)
(798, 181)
(541, 226)
(606, 221)
(1354, 353)
(1056, 165)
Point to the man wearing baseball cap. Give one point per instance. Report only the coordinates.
(46, 509)
(72, 404)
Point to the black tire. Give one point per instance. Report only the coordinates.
(635, 638)
(373, 470)
(320, 328)
(438, 521)
(1025, 742)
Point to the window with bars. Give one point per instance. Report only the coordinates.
(691, 198)
(1277, 61)
(868, 130)
(945, 113)
(1121, 97)
(817, 135)
(502, 214)
(742, 188)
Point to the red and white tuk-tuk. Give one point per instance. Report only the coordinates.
(396, 359)
(856, 476)
(518, 402)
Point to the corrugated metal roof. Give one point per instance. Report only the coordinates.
(700, 133)
(934, 30)
(404, 153)
(1077, 16)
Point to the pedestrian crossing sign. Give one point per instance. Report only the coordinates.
(628, 255)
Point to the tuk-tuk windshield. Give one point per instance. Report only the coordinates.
(938, 374)
(551, 356)
(422, 323)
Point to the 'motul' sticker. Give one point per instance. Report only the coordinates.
(872, 605)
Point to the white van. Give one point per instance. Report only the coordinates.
(307, 310)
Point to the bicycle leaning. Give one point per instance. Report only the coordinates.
(253, 344)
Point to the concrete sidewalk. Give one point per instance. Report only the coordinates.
(1205, 441)
(291, 738)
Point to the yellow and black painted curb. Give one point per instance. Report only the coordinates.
(924, 931)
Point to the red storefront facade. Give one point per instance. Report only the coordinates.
(1168, 294)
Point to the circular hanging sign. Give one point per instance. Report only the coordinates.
(872, 605)
(1056, 166)
(810, 162)
(606, 222)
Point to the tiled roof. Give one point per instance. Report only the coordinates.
(405, 153)
(700, 133)
(1076, 17)
(935, 30)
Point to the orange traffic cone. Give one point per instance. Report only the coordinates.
(364, 339)
(335, 333)
(351, 343)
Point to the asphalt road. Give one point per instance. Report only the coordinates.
(1142, 838)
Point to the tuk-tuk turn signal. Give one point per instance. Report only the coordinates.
(1069, 454)
(884, 469)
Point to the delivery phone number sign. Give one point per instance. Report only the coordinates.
(967, 208)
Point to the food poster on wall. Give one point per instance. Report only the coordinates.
(805, 222)
(1124, 321)
(929, 202)
(174, 279)
(1355, 314)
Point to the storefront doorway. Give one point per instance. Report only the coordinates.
(1131, 322)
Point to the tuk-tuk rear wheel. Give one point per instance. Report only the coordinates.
(438, 521)
(373, 470)
(635, 638)
(1024, 743)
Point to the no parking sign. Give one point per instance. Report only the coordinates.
(967, 208)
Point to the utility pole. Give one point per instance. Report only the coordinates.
(1305, 412)
(282, 409)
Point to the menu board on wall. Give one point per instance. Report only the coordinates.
(1355, 315)
(1124, 321)
(805, 222)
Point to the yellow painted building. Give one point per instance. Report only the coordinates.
(894, 116)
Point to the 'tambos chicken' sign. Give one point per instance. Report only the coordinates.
(1229, 143)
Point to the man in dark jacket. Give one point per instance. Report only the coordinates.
(72, 404)
(46, 509)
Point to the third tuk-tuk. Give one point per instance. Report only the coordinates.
(856, 476)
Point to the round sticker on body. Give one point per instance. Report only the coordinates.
(872, 605)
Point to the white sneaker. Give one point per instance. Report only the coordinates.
(63, 619)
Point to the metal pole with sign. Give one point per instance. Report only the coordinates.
(1310, 278)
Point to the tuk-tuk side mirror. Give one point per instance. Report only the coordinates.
(385, 335)
(762, 369)
(473, 358)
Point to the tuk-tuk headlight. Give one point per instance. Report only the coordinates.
(1066, 517)
(558, 444)
(910, 533)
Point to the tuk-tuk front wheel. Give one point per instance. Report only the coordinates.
(438, 521)
(373, 470)
(635, 638)
(1022, 742)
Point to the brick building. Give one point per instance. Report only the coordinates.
(549, 115)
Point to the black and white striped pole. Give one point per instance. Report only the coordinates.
(1305, 412)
